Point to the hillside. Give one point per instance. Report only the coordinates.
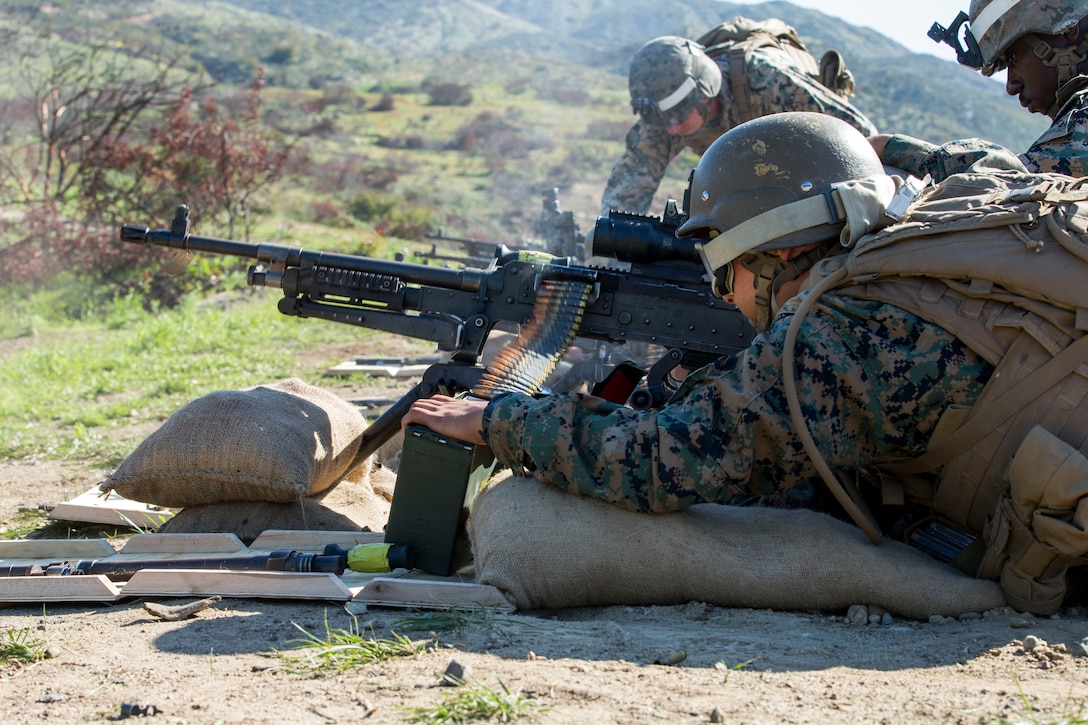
(544, 86)
(901, 91)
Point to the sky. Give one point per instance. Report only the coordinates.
(904, 22)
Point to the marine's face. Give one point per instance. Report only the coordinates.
(744, 292)
(691, 123)
(1035, 84)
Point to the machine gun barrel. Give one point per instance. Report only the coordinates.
(278, 256)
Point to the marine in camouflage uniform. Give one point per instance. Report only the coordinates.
(874, 379)
(911, 358)
(1026, 33)
(663, 68)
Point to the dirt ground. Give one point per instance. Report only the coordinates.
(112, 662)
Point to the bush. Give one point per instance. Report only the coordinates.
(369, 206)
(390, 215)
(385, 103)
(449, 94)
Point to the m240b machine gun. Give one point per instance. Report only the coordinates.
(659, 295)
(656, 293)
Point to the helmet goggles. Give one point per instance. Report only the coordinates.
(670, 110)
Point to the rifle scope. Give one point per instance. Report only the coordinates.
(641, 240)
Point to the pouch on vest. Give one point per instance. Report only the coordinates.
(1040, 527)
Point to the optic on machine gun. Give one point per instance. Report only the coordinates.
(641, 239)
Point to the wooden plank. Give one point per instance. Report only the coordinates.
(184, 544)
(112, 510)
(314, 540)
(393, 371)
(58, 589)
(242, 584)
(403, 592)
(52, 549)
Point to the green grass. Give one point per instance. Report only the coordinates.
(1073, 713)
(25, 522)
(19, 645)
(340, 650)
(75, 382)
(477, 702)
(450, 620)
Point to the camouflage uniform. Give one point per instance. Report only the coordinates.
(1063, 149)
(875, 377)
(776, 85)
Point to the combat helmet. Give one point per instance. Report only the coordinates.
(668, 78)
(783, 180)
(994, 25)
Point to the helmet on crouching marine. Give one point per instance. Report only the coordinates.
(994, 25)
(780, 181)
(668, 78)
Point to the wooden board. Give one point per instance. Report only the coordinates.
(93, 507)
(242, 584)
(385, 370)
(308, 541)
(187, 544)
(33, 550)
(58, 589)
(431, 594)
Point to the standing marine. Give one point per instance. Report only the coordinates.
(1043, 46)
(687, 93)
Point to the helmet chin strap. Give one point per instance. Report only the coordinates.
(1063, 60)
(771, 272)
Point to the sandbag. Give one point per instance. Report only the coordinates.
(547, 549)
(356, 504)
(276, 442)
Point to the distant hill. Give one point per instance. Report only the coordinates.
(544, 86)
(901, 91)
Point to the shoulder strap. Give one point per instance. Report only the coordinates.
(738, 83)
(987, 417)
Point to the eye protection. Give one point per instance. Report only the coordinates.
(670, 110)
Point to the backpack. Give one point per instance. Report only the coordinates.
(1000, 261)
(740, 36)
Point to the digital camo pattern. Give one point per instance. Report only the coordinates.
(1062, 149)
(661, 66)
(873, 382)
(919, 158)
(775, 85)
(1049, 18)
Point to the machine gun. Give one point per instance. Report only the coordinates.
(661, 298)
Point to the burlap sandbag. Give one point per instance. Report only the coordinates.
(360, 503)
(274, 442)
(546, 549)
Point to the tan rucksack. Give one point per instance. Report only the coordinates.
(1000, 260)
(740, 36)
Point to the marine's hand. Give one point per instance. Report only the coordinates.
(458, 418)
